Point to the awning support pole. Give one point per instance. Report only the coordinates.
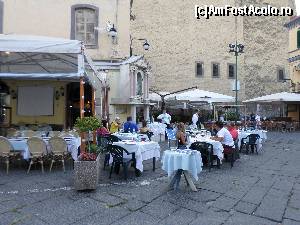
(93, 112)
(81, 102)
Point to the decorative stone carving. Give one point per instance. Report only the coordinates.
(133, 69)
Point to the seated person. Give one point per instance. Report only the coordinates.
(144, 129)
(130, 126)
(180, 136)
(224, 137)
(115, 125)
(102, 131)
(234, 133)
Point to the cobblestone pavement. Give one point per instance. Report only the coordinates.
(260, 190)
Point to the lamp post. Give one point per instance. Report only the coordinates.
(237, 49)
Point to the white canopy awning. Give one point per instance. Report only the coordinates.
(198, 95)
(277, 97)
(37, 57)
(39, 44)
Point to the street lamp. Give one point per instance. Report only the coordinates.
(237, 49)
(146, 45)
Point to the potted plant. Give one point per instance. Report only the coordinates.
(86, 168)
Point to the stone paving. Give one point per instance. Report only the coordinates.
(260, 189)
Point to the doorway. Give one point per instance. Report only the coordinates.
(73, 103)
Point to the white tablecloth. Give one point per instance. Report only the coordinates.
(157, 128)
(261, 133)
(20, 144)
(131, 136)
(143, 151)
(181, 159)
(217, 146)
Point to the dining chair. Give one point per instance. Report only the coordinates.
(28, 133)
(38, 149)
(206, 150)
(117, 153)
(54, 133)
(11, 132)
(171, 135)
(112, 138)
(5, 151)
(59, 151)
(251, 141)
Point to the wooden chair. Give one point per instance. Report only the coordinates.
(59, 151)
(38, 149)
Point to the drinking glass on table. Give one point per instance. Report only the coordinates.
(208, 134)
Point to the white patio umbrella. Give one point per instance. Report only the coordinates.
(198, 95)
(277, 97)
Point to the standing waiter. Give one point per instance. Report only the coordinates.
(166, 119)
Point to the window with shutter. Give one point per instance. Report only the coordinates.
(83, 22)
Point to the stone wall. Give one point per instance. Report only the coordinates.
(178, 40)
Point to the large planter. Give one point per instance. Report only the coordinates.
(86, 174)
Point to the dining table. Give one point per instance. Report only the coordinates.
(182, 161)
(20, 144)
(144, 150)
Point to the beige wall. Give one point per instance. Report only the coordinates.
(59, 105)
(53, 18)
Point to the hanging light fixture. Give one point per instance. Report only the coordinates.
(146, 45)
(112, 32)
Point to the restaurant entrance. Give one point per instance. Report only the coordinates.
(73, 103)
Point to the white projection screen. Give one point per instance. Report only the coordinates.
(35, 101)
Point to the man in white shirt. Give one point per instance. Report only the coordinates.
(195, 119)
(223, 135)
(165, 118)
(257, 119)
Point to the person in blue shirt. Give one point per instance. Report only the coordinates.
(130, 126)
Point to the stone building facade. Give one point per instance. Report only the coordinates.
(179, 41)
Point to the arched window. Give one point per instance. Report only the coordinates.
(83, 22)
(298, 38)
(1, 16)
(139, 84)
